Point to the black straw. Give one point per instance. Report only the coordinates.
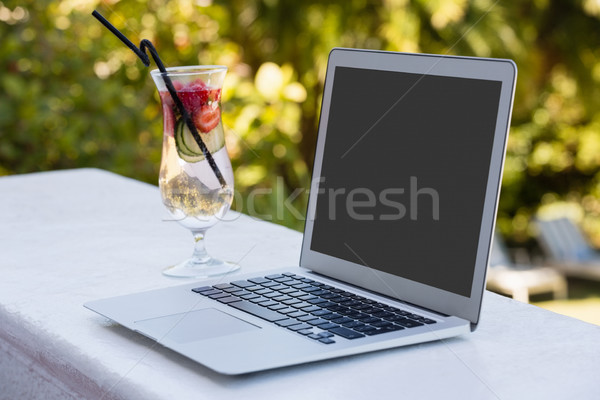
(145, 44)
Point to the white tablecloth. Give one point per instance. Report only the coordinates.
(67, 237)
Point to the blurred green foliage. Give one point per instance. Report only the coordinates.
(71, 95)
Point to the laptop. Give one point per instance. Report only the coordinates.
(398, 230)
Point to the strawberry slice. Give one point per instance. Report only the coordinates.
(214, 95)
(177, 85)
(207, 118)
(168, 120)
(166, 99)
(192, 100)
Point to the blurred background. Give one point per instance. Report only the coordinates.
(71, 95)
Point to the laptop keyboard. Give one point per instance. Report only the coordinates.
(313, 309)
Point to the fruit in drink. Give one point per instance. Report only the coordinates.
(202, 102)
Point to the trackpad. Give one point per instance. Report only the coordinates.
(194, 325)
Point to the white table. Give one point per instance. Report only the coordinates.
(67, 237)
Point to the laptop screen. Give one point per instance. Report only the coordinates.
(404, 173)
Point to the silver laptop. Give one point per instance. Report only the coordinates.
(399, 224)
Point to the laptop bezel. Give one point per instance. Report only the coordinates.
(387, 284)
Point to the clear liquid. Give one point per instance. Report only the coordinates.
(190, 191)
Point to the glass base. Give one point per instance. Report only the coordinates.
(190, 269)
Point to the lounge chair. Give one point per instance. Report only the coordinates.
(567, 249)
(520, 281)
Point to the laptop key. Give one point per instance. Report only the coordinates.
(299, 327)
(242, 284)
(311, 309)
(327, 304)
(371, 310)
(210, 292)
(408, 323)
(350, 303)
(301, 285)
(329, 296)
(383, 314)
(302, 305)
(381, 324)
(343, 320)
(395, 318)
(287, 322)
(264, 291)
(272, 294)
(328, 326)
(354, 324)
(310, 289)
(258, 311)
(327, 340)
(259, 299)
(268, 303)
(218, 295)
(277, 306)
(287, 291)
(370, 320)
(297, 314)
(292, 282)
(346, 333)
(364, 328)
(228, 299)
(386, 329)
(286, 310)
(222, 286)
(351, 314)
(258, 280)
(202, 289)
(331, 316)
(392, 328)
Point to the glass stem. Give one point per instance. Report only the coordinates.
(200, 256)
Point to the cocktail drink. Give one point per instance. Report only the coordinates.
(191, 189)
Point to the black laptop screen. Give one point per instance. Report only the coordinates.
(404, 174)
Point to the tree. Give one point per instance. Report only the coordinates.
(73, 96)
